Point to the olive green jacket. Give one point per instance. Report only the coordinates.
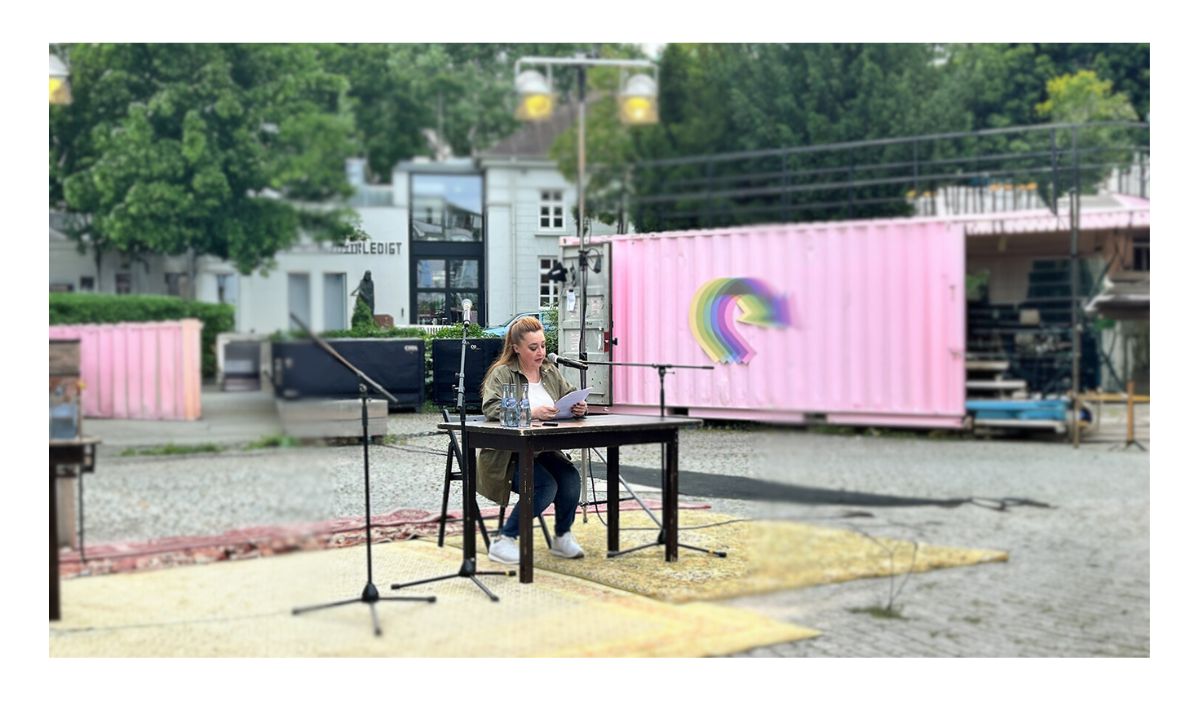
(493, 473)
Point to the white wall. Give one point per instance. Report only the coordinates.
(513, 204)
(263, 299)
(513, 242)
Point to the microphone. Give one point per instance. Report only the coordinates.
(556, 359)
(466, 309)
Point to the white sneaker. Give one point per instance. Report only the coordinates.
(565, 546)
(504, 550)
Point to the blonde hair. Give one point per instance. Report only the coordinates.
(516, 334)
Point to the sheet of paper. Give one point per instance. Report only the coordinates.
(564, 404)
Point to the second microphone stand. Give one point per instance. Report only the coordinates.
(467, 569)
(662, 412)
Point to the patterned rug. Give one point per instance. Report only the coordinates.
(763, 556)
(243, 609)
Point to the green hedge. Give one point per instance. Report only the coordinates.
(98, 308)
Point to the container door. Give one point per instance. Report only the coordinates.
(596, 327)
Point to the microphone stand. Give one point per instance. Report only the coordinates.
(370, 595)
(467, 569)
(662, 412)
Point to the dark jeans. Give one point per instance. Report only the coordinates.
(554, 480)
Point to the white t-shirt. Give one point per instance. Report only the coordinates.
(538, 396)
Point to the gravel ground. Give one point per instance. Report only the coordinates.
(1075, 523)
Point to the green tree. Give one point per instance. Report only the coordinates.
(1001, 85)
(610, 147)
(202, 149)
(407, 97)
(1082, 98)
(726, 98)
(722, 98)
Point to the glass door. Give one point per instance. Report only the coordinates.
(442, 285)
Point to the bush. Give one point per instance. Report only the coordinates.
(550, 322)
(99, 308)
(362, 318)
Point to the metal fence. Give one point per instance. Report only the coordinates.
(984, 171)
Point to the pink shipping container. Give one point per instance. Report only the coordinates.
(147, 370)
(858, 323)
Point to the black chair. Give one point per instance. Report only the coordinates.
(453, 455)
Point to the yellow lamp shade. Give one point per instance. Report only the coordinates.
(60, 88)
(535, 107)
(536, 100)
(639, 100)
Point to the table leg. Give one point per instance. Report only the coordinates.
(55, 607)
(614, 496)
(671, 499)
(468, 496)
(525, 461)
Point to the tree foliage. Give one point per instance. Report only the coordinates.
(727, 98)
(410, 99)
(202, 149)
(213, 149)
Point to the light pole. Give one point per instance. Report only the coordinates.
(638, 99)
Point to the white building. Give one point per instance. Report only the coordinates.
(485, 228)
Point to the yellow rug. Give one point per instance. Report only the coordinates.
(763, 556)
(243, 609)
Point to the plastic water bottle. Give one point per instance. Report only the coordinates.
(526, 411)
(508, 406)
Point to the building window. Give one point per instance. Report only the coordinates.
(176, 283)
(124, 283)
(299, 299)
(87, 283)
(227, 288)
(1141, 255)
(447, 208)
(547, 288)
(335, 301)
(61, 287)
(550, 211)
(442, 285)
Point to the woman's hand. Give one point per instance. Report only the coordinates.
(545, 412)
(579, 409)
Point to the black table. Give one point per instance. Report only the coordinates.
(76, 451)
(608, 431)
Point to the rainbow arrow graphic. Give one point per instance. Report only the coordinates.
(712, 316)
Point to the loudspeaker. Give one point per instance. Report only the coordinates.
(304, 370)
(447, 354)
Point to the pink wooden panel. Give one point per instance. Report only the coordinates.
(133, 374)
(168, 389)
(139, 370)
(150, 373)
(120, 371)
(191, 369)
(104, 384)
(872, 322)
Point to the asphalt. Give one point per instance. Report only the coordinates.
(1075, 523)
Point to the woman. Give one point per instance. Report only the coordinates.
(555, 479)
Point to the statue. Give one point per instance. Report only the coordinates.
(366, 292)
(364, 305)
